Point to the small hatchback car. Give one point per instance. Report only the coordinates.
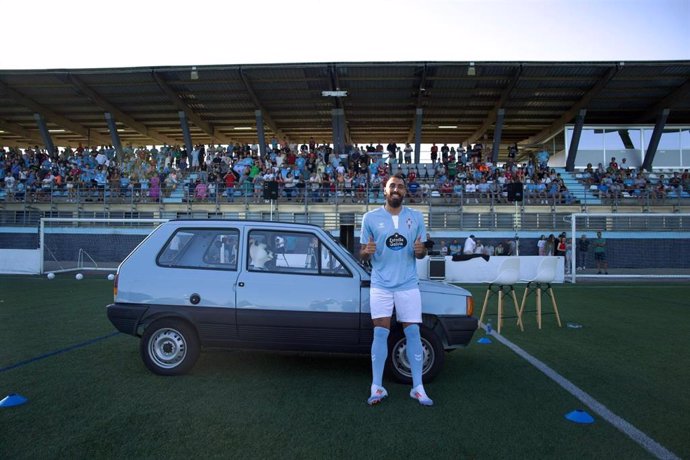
(266, 285)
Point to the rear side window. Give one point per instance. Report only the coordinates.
(201, 248)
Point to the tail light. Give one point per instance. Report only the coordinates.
(469, 305)
(117, 276)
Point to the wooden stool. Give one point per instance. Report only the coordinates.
(508, 275)
(546, 273)
(501, 289)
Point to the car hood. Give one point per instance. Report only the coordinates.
(439, 287)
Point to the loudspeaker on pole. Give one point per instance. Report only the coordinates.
(514, 190)
(271, 190)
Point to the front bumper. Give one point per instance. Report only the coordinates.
(458, 329)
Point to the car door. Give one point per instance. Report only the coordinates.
(294, 293)
(197, 272)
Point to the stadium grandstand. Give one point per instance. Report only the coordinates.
(513, 149)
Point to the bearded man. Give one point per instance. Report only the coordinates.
(392, 237)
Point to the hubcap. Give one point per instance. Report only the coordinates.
(167, 348)
(402, 364)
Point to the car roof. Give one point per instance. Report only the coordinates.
(243, 222)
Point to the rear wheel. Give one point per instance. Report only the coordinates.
(398, 365)
(169, 347)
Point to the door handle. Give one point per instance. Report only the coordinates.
(241, 284)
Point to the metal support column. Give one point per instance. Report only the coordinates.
(260, 132)
(338, 121)
(45, 134)
(114, 136)
(418, 134)
(334, 127)
(654, 141)
(498, 130)
(341, 130)
(575, 141)
(184, 124)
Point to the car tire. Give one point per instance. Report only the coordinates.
(397, 364)
(169, 347)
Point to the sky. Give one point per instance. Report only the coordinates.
(69, 34)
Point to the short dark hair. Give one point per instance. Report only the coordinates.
(397, 176)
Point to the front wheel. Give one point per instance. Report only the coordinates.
(399, 366)
(169, 347)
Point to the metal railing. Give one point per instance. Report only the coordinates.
(443, 210)
(249, 195)
(436, 220)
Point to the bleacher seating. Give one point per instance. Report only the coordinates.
(580, 189)
(574, 184)
(176, 196)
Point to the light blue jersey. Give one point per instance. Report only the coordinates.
(394, 265)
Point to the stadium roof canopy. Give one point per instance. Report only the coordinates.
(459, 101)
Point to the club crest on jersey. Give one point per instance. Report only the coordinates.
(396, 242)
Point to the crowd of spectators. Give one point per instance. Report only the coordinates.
(618, 181)
(476, 246)
(309, 171)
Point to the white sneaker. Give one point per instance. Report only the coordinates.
(419, 394)
(377, 395)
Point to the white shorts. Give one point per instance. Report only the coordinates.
(408, 304)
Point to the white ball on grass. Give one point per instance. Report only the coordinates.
(79, 276)
(51, 275)
(111, 277)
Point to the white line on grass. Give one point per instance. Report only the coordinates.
(626, 427)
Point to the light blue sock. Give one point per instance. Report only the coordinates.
(415, 353)
(379, 353)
